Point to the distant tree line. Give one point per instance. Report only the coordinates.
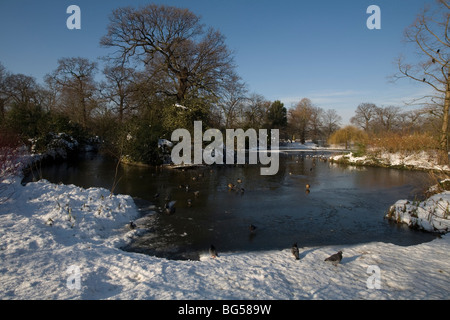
(166, 70)
(376, 120)
(309, 122)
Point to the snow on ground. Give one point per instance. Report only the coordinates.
(63, 242)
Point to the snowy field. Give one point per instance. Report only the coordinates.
(63, 242)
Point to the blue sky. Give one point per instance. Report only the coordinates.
(285, 50)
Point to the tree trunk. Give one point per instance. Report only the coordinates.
(2, 109)
(182, 84)
(84, 112)
(443, 157)
(121, 109)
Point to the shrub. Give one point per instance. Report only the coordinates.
(138, 141)
(349, 136)
(44, 130)
(10, 155)
(58, 145)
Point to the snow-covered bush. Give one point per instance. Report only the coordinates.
(56, 145)
(431, 215)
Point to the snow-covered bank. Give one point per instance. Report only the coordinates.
(431, 215)
(63, 242)
(418, 161)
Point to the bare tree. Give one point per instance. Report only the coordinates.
(118, 88)
(299, 119)
(172, 41)
(364, 115)
(254, 112)
(412, 121)
(74, 78)
(386, 119)
(430, 35)
(3, 94)
(331, 122)
(316, 124)
(21, 90)
(231, 100)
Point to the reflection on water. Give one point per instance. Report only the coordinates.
(344, 205)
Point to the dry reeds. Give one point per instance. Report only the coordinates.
(403, 143)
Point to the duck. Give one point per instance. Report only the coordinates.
(252, 228)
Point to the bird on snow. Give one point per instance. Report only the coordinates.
(213, 252)
(335, 258)
(170, 207)
(132, 225)
(295, 252)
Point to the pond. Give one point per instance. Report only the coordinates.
(344, 204)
